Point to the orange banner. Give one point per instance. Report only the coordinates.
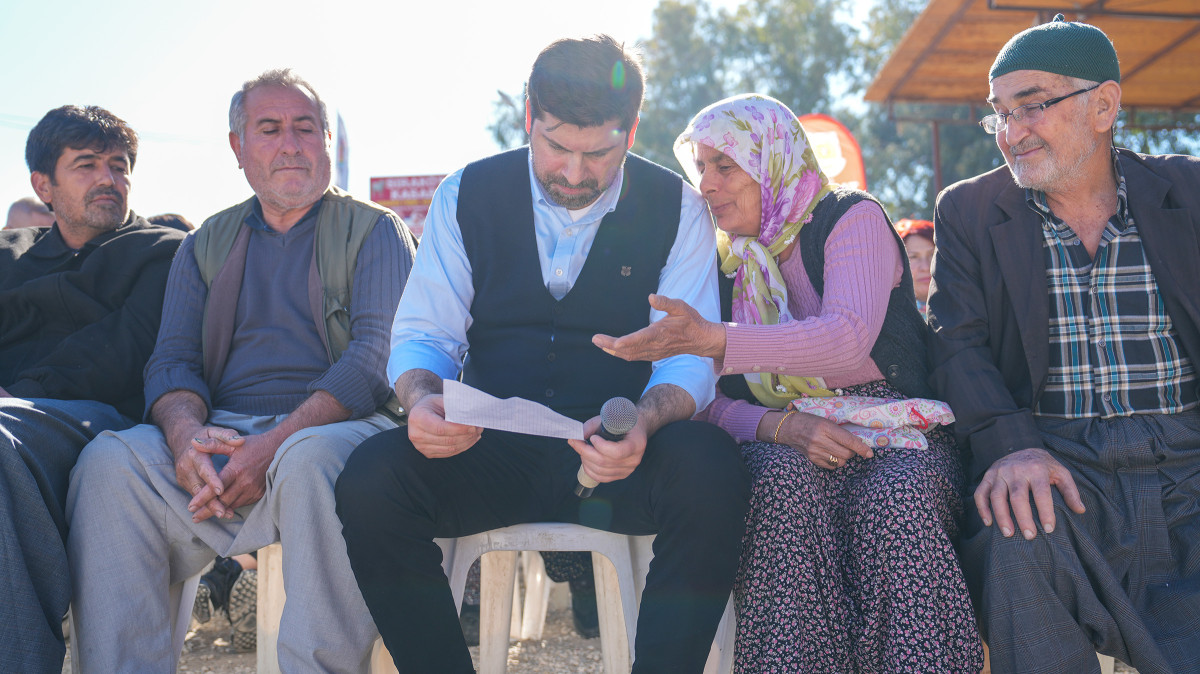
(836, 149)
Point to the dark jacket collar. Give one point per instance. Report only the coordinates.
(50, 244)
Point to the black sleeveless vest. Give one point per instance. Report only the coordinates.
(900, 349)
(522, 341)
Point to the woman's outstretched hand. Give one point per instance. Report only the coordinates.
(682, 330)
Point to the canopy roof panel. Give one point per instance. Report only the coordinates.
(946, 54)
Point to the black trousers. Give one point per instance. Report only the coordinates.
(691, 489)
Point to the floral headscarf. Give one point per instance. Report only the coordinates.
(764, 138)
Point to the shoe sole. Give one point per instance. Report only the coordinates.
(202, 608)
(243, 607)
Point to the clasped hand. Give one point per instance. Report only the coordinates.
(608, 461)
(1010, 481)
(682, 330)
(241, 482)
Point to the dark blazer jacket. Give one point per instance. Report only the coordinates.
(989, 307)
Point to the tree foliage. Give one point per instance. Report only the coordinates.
(686, 70)
(807, 54)
(898, 141)
(793, 50)
(1159, 132)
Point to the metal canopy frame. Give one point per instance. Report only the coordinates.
(944, 57)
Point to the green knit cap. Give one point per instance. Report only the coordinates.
(1061, 47)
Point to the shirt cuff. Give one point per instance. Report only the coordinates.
(416, 356)
(690, 373)
(351, 389)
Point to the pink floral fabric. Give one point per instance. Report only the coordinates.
(881, 422)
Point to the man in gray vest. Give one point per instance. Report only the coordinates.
(526, 256)
(80, 302)
(266, 374)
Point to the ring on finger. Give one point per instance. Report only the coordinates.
(833, 460)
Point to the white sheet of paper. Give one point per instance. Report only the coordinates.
(470, 406)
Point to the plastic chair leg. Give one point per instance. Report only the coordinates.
(537, 596)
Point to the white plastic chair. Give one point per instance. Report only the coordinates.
(182, 596)
(529, 616)
(620, 563)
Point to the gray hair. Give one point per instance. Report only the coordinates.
(281, 77)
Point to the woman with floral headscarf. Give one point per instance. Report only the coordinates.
(847, 562)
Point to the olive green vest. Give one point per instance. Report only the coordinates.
(343, 223)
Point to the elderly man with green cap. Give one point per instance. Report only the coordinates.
(1066, 314)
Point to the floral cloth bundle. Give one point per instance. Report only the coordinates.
(880, 422)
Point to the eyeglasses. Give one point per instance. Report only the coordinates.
(1030, 114)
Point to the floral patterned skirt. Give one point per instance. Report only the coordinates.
(853, 570)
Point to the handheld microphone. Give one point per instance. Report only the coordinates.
(617, 417)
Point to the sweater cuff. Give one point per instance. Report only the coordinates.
(738, 418)
(167, 382)
(742, 422)
(744, 353)
(350, 389)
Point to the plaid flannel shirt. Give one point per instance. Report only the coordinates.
(1113, 348)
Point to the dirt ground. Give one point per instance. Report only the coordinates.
(560, 651)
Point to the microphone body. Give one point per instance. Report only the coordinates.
(617, 418)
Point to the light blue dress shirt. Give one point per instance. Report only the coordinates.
(430, 330)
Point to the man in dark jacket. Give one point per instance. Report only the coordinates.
(79, 309)
(1067, 333)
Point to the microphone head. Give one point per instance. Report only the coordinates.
(618, 416)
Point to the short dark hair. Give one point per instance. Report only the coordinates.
(172, 220)
(587, 82)
(79, 128)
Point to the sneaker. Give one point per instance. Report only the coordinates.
(242, 610)
(202, 607)
(213, 592)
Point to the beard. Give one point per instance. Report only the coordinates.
(573, 201)
(103, 216)
(292, 194)
(1060, 164)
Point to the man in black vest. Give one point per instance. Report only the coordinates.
(527, 255)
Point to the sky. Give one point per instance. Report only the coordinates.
(414, 82)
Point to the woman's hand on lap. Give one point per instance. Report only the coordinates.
(820, 439)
